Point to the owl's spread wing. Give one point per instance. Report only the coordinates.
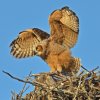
(24, 45)
(64, 26)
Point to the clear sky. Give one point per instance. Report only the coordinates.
(18, 15)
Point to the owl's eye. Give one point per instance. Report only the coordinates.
(39, 48)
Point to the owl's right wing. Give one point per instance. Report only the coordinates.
(25, 44)
(64, 25)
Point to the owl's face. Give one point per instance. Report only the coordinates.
(41, 48)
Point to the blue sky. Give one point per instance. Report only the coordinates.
(16, 16)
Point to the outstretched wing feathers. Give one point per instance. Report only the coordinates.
(70, 19)
(69, 26)
(70, 37)
(24, 45)
(64, 29)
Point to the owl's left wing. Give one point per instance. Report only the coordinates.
(64, 25)
(25, 44)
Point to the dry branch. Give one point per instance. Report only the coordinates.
(25, 81)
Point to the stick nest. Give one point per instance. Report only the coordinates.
(57, 86)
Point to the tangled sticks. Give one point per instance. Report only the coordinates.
(53, 86)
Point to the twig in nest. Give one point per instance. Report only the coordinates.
(26, 81)
(24, 87)
(85, 69)
(95, 69)
(18, 79)
(77, 89)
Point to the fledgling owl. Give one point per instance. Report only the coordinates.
(54, 49)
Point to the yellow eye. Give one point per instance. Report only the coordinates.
(39, 48)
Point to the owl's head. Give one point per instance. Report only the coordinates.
(41, 48)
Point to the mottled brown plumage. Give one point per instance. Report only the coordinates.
(54, 48)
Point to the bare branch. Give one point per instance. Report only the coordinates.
(24, 87)
(95, 69)
(25, 81)
(85, 69)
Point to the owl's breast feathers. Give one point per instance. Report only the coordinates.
(57, 55)
(59, 58)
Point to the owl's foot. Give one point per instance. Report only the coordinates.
(55, 72)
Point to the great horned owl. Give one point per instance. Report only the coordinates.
(54, 49)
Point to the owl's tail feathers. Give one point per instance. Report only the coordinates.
(75, 64)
